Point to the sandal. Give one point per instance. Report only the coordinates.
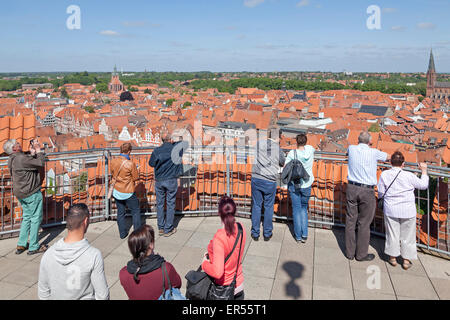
(21, 249)
(41, 249)
(393, 262)
(406, 264)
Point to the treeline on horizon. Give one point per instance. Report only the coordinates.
(205, 80)
(280, 84)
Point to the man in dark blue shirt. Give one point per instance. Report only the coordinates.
(166, 160)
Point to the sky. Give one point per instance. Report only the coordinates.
(224, 35)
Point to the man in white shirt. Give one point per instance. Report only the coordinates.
(361, 201)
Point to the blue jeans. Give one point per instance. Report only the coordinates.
(300, 200)
(263, 192)
(133, 204)
(166, 191)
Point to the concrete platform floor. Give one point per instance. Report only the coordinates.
(280, 269)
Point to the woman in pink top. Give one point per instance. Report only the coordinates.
(221, 245)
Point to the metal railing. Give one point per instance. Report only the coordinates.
(209, 173)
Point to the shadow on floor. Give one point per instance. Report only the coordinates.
(50, 234)
(339, 234)
(295, 271)
(375, 241)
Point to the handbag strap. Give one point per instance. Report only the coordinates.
(240, 247)
(391, 184)
(235, 243)
(164, 273)
(120, 168)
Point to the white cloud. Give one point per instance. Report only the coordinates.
(364, 46)
(134, 23)
(389, 10)
(109, 33)
(252, 3)
(303, 3)
(426, 25)
(398, 28)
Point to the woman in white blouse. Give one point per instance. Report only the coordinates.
(400, 209)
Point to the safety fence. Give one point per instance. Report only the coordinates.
(209, 173)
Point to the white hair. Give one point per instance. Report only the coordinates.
(364, 137)
(8, 146)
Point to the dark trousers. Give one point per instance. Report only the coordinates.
(133, 204)
(361, 204)
(166, 191)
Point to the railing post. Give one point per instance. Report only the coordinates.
(107, 155)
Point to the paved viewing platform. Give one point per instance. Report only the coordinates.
(280, 269)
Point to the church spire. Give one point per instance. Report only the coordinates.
(431, 66)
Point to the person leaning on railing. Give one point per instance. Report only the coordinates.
(360, 193)
(125, 175)
(300, 189)
(396, 187)
(26, 178)
(168, 167)
(269, 158)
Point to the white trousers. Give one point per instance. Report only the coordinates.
(401, 237)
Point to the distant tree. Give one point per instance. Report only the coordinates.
(102, 87)
(169, 102)
(421, 98)
(126, 96)
(147, 91)
(375, 127)
(89, 109)
(64, 93)
(187, 104)
(80, 182)
(133, 89)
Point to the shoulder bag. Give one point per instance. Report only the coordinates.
(381, 200)
(169, 293)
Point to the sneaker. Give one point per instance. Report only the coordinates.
(171, 232)
(255, 238)
(303, 240)
(161, 232)
(268, 238)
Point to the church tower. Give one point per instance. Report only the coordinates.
(115, 85)
(431, 76)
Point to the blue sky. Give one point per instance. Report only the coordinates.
(219, 35)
